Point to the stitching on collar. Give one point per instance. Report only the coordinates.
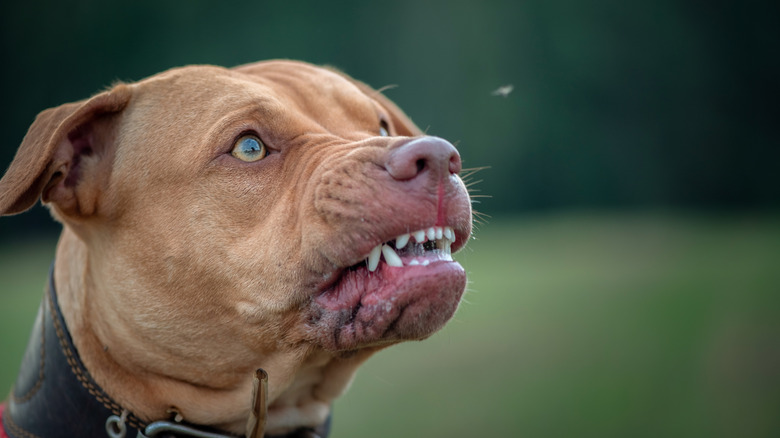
(15, 429)
(39, 382)
(80, 374)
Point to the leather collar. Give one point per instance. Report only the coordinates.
(56, 397)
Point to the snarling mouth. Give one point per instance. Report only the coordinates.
(405, 288)
(418, 248)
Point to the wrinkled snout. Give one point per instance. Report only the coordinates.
(421, 155)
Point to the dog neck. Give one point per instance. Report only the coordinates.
(302, 386)
(55, 395)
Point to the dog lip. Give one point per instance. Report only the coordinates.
(359, 256)
(412, 291)
(362, 308)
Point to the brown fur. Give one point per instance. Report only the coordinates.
(180, 269)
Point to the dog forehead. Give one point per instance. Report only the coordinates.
(327, 96)
(194, 92)
(191, 97)
(192, 114)
(301, 77)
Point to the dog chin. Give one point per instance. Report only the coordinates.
(387, 305)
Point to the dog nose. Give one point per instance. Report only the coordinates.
(432, 154)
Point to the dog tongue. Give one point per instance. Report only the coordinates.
(389, 305)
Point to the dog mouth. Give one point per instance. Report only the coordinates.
(405, 288)
(419, 248)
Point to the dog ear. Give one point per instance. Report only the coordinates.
(58, 154)
(401, 122)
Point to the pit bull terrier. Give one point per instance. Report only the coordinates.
(235, 243)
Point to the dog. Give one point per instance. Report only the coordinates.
(236, 243)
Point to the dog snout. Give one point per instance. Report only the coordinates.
(423, 154)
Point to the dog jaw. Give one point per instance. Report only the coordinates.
(388, 305)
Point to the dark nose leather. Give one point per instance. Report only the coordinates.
(422, 155)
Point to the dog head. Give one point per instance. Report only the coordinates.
(275, 215)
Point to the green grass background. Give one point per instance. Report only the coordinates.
(586, 325)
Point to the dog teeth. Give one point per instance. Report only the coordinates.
(391, 257)
(373, 258)
(402, 240)
(442, 237)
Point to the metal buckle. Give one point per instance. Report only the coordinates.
(161, 428)
(255, 428)
(115, 426)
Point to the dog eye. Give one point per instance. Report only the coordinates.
(384, 130)
(249, 148)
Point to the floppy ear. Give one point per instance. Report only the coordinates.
(59, 156)
(402, 123)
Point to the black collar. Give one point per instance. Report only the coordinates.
(56, 397)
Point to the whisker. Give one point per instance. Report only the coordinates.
(467, 172)
(481, 216)
(387, 87)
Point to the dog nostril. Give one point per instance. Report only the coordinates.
(420, 165)
(455, 164)
(431, 155)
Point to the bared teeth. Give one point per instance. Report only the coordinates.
(373, 258)
(391, 257)
(443, 237)
(402, 240)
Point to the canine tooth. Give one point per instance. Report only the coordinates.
(373, 258)
(419, 236)
(431, 233)
(449, 234)
(402, 240)
(439, 233)
(391, 257)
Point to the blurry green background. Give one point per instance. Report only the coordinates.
(626, 280)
